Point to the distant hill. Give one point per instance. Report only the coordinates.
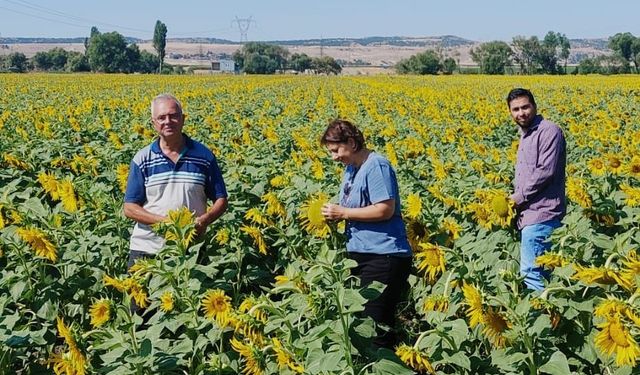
(446, 41)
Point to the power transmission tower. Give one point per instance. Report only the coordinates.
(243, 26)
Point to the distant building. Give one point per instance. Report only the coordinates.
(223, 66)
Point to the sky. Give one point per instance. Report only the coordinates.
(287, 19)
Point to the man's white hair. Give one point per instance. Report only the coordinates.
(163, 97)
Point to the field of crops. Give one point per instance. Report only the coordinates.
(272, 292)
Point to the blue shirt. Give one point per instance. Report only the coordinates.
(374, 182)
(158, 184)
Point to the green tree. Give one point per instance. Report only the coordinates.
(41, 61)
(261, 58)
(524, 53)
(160, 40)
(94, 31)
(300, 62)
(492, 57)
(627, 46)
(77, 62)
(16, 62)
(108, 53)
(427, 62)
(133, 58)
(325, 65)
(449, 65)
(149, 63)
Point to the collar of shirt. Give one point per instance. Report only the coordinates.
(155, 146)
(534, 125)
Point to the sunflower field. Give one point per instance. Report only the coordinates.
(268, 290)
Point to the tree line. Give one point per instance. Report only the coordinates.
(264, 58)
(104, 53)
(532, 56)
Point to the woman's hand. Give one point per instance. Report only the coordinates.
(334, 212)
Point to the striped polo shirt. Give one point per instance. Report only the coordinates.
(159, 185)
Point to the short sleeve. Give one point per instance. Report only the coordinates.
(381, 182)
(215, 183)
(135, 192)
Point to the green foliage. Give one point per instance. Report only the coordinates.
(427, 62)
(449, 65)
(261, 58)
(535, 56)
(148, 63)
(160, 40)
(627, 46)
(77, 62)
(492, 57)
(14, 62)
(325, 65)
(300, 62)
(107, 53)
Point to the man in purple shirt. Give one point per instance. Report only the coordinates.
(539, 191)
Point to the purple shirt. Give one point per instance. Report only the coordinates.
(539, 190)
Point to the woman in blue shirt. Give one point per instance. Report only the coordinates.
(376, 235)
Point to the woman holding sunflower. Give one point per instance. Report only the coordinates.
(376, 235)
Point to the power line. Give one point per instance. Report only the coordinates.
(43, 18)
(58, 13)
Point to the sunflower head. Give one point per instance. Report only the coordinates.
(100, 312)
(501, 205)
(311, 216)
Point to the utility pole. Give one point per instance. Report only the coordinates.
(243, 26)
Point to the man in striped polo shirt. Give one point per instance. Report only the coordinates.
(172, 172)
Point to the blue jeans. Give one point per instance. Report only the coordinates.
(533, 244)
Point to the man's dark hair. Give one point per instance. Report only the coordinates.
(339, 131)
(518, 93)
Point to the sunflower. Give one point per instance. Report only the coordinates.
(473, 300)
(254, 361)
(49, 184)
(247, 326)
(415, 359)
(216, 305)
(222, 236)
(100, 312)
(613, 307)
(256, 235)
(437, 302)
(414, 206)
(256, 217)
(632, 195)
(250, 306)
(285, 359)
(137, 292)
(39, 242)
(416, 233)
(311, 216)
(274, 206)
(452, 228)
(431, 260)
(166, 302)
(495, 324)
(114, 282)
(602, 275)
(614, 337)
(577, 192)
(68, 196)
(597, 166)
(122, 175)
(180, 217)
(614, 164)
(502, 208)
(279, 181)
(551, 260)
(633, 166)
